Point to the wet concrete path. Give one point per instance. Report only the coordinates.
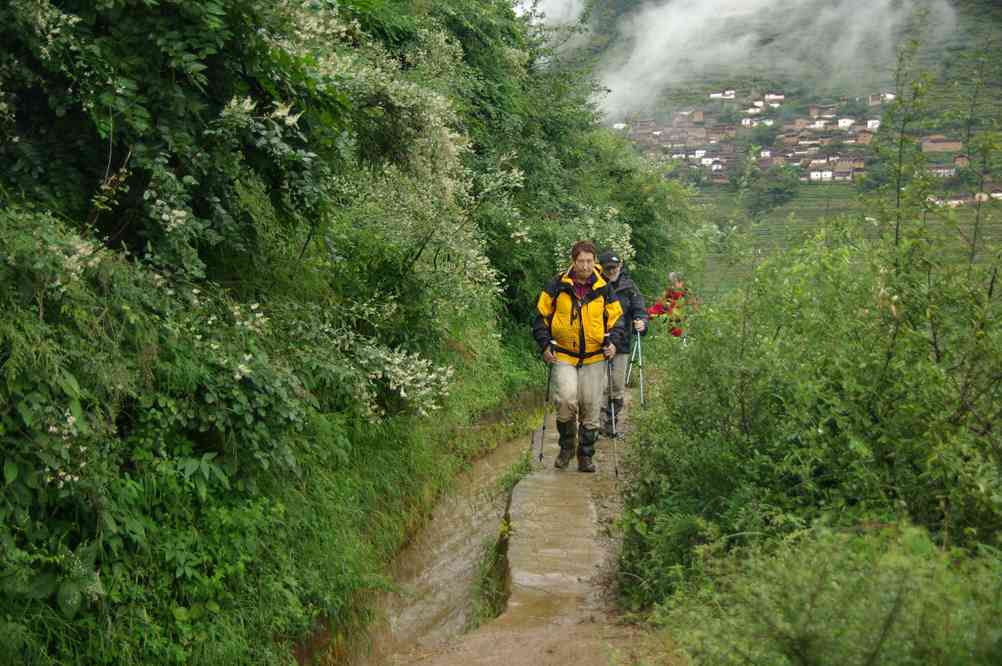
(561, 556)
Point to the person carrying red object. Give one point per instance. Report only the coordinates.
(672, 305)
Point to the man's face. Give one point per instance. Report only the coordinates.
(612, 272)
(584, 265)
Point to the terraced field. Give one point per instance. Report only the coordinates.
(788, 224)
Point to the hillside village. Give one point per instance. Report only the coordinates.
(825, 143)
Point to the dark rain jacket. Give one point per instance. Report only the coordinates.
(631, 300)
(578, 326)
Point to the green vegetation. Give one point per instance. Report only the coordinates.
(818, 475)
(781, 227)
(493, 587)
(890, 598)
(261, 265)
(515, 473)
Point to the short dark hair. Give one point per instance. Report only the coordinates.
(583, 246)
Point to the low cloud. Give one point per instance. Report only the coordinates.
(831, 41)
(556, 12)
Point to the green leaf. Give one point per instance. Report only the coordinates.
(108, 522)
(76, 410)
(9, 472)
(26, 413)
(69, 598)
(136, 529)
(189, 466)
(221, 475)
(42, 586)
(69, 384)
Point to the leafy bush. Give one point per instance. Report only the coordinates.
(148, 433)
(849, 380)
(829, 598)
(241, 261)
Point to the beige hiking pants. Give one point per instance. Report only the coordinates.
(578, 392)
(620, 363)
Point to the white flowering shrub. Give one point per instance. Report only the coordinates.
(603, 227)
(404, 378)
(347, 371)
(248, 248)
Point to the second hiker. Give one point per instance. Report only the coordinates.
(578, 325)
(635, 315)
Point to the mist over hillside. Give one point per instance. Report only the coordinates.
(833, 44)
(556, 11)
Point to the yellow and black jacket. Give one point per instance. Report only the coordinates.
(578, 326)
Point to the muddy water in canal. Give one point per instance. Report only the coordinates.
(437, 572)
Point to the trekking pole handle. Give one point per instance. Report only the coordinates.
(606, 341)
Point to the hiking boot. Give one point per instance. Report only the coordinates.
(587, 449)
(568, 433)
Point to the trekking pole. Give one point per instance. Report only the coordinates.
(633, 357)
(612, 410)
(640, 364)
(546, 403)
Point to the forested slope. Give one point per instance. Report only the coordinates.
(247, 250)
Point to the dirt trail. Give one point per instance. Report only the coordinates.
(562, 556)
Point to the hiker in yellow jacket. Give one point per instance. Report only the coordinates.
(579, 326)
